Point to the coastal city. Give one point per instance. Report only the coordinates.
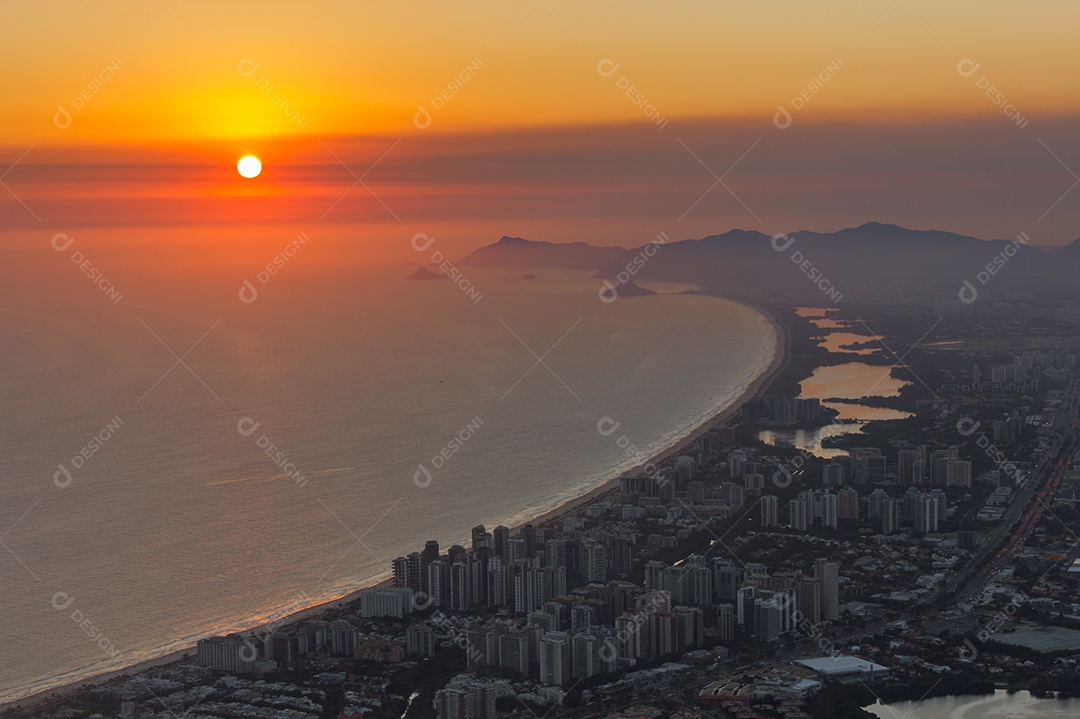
(540, 359)
(828, 546)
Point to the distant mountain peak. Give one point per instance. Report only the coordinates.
(520, 252)
(630, 289)
(881, 229)
(854, 261)
(423, 273)
(1073, 248)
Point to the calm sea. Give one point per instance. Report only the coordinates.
(140, 508)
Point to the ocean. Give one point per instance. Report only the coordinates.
(179, 462)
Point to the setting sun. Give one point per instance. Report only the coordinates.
(249, 166)
(373, 413)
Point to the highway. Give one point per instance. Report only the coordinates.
(993, 554)
(1024, 514)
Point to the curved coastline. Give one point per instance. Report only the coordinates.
(54, 689)
(678, 445)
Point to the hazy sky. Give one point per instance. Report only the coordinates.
(602, 121)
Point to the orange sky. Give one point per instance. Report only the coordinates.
(956, 115)
(366, 67)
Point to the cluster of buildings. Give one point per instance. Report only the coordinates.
(466, 698)
(918, 466)
(781, 410)
(924, 511)
(1022, 374)
(284, 646)
(547, 631)
(818, 507)
(610, 589)
(520, 573)
(745, 595)
(631, 596)
(590, 595)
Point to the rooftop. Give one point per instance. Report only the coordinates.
(1042, 639)
(841, 665)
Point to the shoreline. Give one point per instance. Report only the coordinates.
(781, 358)
(185, 654)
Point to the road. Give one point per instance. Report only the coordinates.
(993, 554)
(1026, 511)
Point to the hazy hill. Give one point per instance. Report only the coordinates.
(857, 262)
(1068, 252)
(423, 273)
(517, 252)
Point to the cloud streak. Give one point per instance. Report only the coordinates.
(975, 176)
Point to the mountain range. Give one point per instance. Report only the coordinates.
(516, 252)
(862, 262)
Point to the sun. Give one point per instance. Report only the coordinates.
(249, 166)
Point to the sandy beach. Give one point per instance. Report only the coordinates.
(760, 384)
